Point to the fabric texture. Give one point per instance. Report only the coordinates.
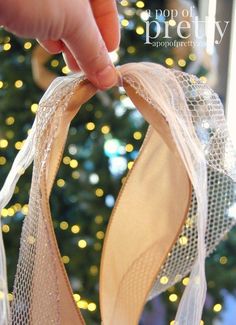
(175, 206)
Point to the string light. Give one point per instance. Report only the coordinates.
(18, 83)
(185, 281)
(131, 49)
(139, 4)
(34, 108)
(75, 174)
(60, 182)
(192, 57)
(82, 243)
(4, 213)
(140, 30)
(76, 297)
(92, 306)
(3, 143)
(65, 70)
(1, 84)
(124, 3)
(74, 163)
(124, 22)
(144, 15)
(54, 63)
(217, 308)
(18, 145)
(10, 212)
(203, 79)
(27, 45)
(173, 297)
(172, 22)
(75, 229)
(164, 280)
(17, 207)
(7, 47)
(100, 235)
(169, 61)
(93, 178)
(90, 126)
(2, 160)
(99, 192)
(105, 129)
(223, 260)
(82, 304)
(73, 149)
(5, 228)
(137, 135)
(66, 160)
(10, 120)
(130, 164)
(129, 147)
(64, 225)
(93, 270)
(65, 259)
(98, 219)
(25, 209)
(183, 240)
(188, 223)
(182, 63)
(10, 296)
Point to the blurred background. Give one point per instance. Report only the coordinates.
(103, 142)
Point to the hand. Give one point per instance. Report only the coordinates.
(83, 30)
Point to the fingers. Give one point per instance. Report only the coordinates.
(87, 46)
(106, 16)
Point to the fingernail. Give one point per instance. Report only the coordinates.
(107, 77)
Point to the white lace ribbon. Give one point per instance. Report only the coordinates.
(23, 159)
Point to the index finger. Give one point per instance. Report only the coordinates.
(106, 16)
(85, 42)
